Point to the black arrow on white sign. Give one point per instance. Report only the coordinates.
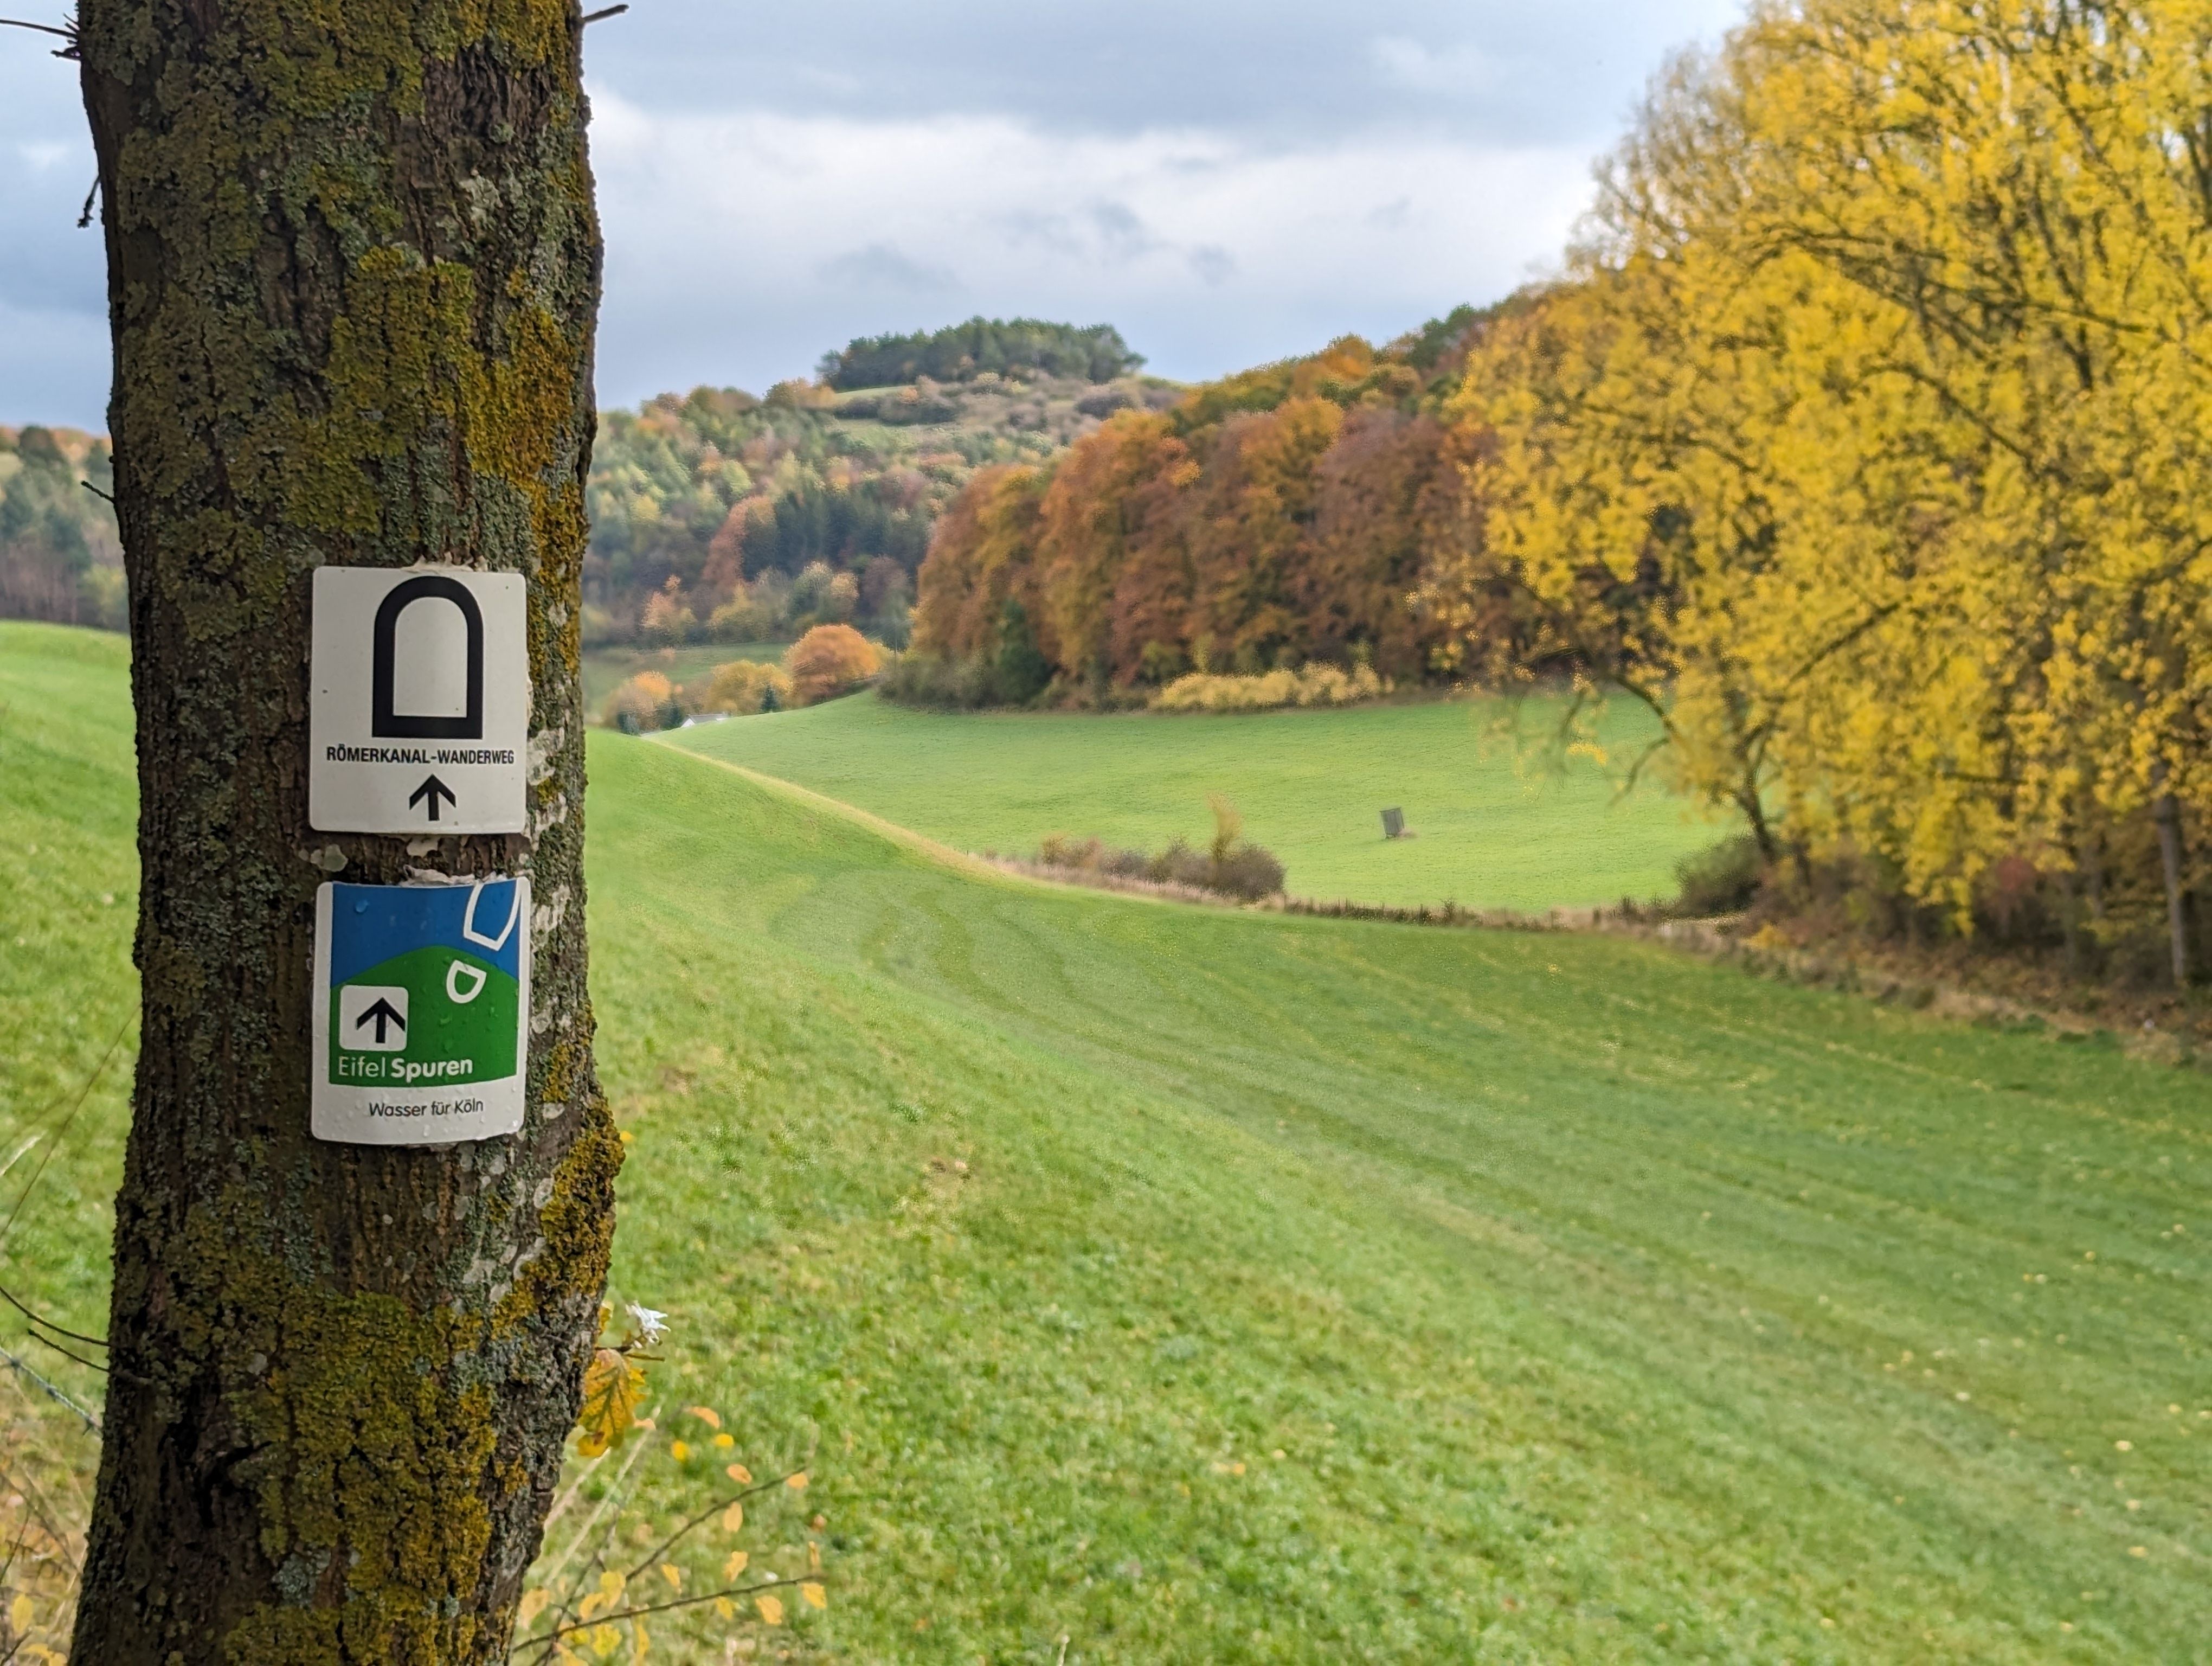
(386, 1015)
(433, 790)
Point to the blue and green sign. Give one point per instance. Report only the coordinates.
(422, 997)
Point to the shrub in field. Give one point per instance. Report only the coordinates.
(646, 701)
(829, 660)
(1316, 684)
(937, 683)
(1249, 871)
(1231, 867)
(745, 686)
(1723, 879)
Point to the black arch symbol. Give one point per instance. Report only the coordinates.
(382, 720)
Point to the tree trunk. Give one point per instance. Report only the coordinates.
(1762, 832)
(2167, 813)
(2070, 922)
(354, 270)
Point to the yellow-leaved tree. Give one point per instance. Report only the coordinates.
(1859, 442)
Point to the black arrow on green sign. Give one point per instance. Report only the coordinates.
(386, 1015)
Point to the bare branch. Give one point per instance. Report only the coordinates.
(545, 1643)
(70, 51)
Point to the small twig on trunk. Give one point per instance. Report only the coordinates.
(82, 220)
(50, 1342)
(69, 34)
(15, 1302)
(601, 16)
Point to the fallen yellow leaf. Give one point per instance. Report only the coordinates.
(770, 1609)
(815, 1596)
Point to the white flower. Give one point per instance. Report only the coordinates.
(649, 1323)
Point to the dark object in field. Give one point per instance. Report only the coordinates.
(1393, 824)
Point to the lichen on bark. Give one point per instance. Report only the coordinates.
(354, 270)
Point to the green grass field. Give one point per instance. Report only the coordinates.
(1313, 1290)
(605, 669)
(1312, 786)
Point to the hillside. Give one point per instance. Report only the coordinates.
(1311, 1291)
(731, 499)
(1311, 785)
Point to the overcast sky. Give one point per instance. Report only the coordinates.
(1228, 181)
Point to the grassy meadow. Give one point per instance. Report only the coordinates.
(1312, 784)
(1146, 1283)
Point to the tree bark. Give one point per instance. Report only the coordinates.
(354, 270)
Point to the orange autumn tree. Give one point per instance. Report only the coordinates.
(1233, 533)
(828, 661)
(1110, 505)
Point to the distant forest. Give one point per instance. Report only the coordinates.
(1274, 518)
(1020, 348)
(61, 556)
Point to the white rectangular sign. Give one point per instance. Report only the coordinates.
(422, 1012)
(418, 713)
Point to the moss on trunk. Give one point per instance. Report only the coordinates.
(353, 268)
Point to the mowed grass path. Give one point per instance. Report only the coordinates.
(1601, 1305)
(1312, 786)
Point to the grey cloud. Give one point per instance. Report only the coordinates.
(880, 266)
(1213, 265)
(1033, 228)
(1121, 232)
(1560, 71)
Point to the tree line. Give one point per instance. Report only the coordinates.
(1020, 348)
(1862, 441)
(1276, 517)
